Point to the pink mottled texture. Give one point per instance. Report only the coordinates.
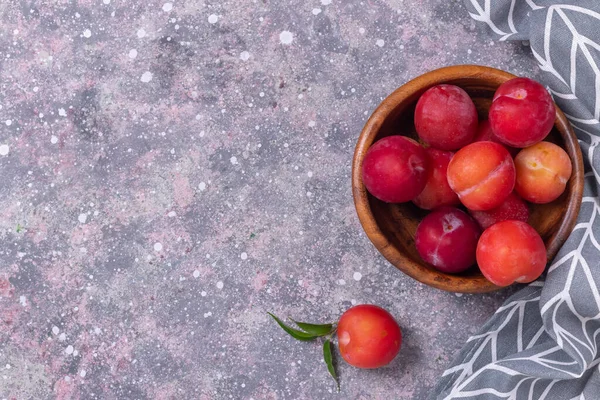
(240, 169)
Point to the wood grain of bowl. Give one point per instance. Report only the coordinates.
(391, 227)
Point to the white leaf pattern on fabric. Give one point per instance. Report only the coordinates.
(544, 342)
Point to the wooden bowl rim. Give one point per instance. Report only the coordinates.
(431, 277)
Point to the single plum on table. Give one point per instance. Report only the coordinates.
(485, 134)
(511, 251)
(368, 336)
(395, 169)
(482, 174)
(513, 208)
(447, 239)
(437, 192)
(522, 112)
(543, 171)
(446, 118)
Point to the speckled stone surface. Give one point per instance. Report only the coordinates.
(171, 171)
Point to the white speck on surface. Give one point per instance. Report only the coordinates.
(167, 7)
(326, 2)
(62, 337)
(219, 285)
(82, 218)
(23, 300)
(8, 366)
(244, 256)
(316, 11)
(202, 186)
(8, 122)
(203, 293)
(158, 246)
(82, 373)
(87, 33)
(53, 139)
(341, 282)
(55, 330)
(361, 31)
(380, 42)
(311, 124)
(244, 56)
(207, 314)
(62, 112)
(212, 19)
(172, 214)
(233, 160)
(106, 1)
(310, 174)
(141, 33)
(357, 276)
(146, 77)
(4, 149)
(196, 274)
(458, 294)
(286, 37)
(97, 331)
(67, 379)
(69, 349)
(132, 53)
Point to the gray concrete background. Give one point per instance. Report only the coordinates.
(171, 171)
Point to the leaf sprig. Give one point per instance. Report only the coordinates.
(308, 332)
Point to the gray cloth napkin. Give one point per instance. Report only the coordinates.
(543, 343)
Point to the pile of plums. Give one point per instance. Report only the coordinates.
(476, 177)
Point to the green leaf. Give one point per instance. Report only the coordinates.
(295, 333)
(19, 228)
(252, 235)
(329, 361)
(313, 329)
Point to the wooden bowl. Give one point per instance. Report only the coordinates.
(391, 227)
